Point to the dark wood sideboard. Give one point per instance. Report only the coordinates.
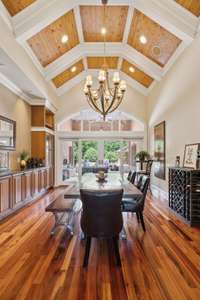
(20, 188)
(184, 194)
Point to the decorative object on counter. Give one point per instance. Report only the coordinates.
(4, 161)
(101, 176)
(142, 156)
(159, 150)
(23, 157)
(177, 162)
(184, 194)
(34, 162)
(7, 134)
(191, 156)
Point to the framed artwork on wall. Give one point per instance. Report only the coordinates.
(191, 156)
(159, 150)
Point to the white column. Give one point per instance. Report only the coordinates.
(79, 160)
(100, 151)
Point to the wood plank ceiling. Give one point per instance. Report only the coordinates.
(135, 73)
(15, 6)
(161, 44)
(192, 5)
(47, 44)
(68, 74)
(93, 20)
(97, 62)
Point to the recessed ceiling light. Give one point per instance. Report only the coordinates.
(64, 39)
(143, 39)
(73, 69)
(131, 69)
(103, 31)
(156, 51)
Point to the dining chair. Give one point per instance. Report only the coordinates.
(129, 175)
(136, 204)
(101, 218)
(133, 176)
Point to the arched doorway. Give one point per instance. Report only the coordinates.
(85, 143)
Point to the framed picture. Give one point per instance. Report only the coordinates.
(191, 156)
(159, 150)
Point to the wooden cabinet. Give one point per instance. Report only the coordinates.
(17, 189)
(34, 183)
(26, 186)
(5, 194)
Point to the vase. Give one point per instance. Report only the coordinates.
(22, 164)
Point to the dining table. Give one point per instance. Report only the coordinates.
(89, 181)
(113, 181)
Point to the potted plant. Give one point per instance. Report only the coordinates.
(141, 157)
(23, 156)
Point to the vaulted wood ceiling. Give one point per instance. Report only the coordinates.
(98, 62)
(15, 6)
(125, 25)
(93, 20)
(157, 38)
(68, 74)
(47, 44)
(192, 5)
(136, 73)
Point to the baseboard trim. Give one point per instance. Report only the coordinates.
(158, 192)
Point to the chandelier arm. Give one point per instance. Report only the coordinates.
(113, 100)
(92, 101)
(120, 101)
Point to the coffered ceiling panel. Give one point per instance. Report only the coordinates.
(93, 20)
(192, 5)
(68, 74)
(160, 43)
(15, 6)
(97, 62)
(136, 74)
(47, 44)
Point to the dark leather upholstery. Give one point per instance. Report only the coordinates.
(136, 204)
(133, 176)
(101, 215)
(129, 175)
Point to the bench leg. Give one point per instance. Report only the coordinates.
(55, 224)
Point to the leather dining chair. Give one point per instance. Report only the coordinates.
(136, 204)
(129, 175)
(101, 218)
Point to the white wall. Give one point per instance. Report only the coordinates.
(12, 107)
(176, 99)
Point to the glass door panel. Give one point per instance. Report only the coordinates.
(70, 167)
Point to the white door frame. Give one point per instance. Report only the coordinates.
(81, 136)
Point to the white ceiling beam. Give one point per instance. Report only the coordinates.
(76, 80)
(6, 16)
(171, 16)
(97, 49)
(79, 24)
(128, 23)
(167, 13)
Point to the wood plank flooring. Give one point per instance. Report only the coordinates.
(163, 263)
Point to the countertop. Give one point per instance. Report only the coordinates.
(15, 172)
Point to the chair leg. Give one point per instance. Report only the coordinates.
(138, 217)
(142, 221)
(116, 247)
(87, 252)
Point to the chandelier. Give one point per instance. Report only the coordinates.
(106, 98)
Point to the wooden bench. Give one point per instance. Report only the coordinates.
(64, 211)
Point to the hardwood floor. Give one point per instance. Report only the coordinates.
(163, 263)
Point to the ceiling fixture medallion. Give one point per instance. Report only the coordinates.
(105, 99)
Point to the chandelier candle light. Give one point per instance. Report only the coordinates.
(105, 99)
